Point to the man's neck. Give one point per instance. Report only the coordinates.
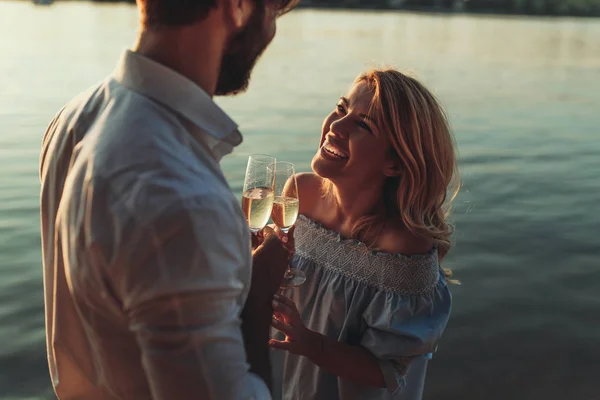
(194, 51)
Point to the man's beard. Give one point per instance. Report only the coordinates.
(241, 55)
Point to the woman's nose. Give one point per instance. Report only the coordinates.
(339, 128)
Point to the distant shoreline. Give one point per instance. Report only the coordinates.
(539, 8)
(433, 10)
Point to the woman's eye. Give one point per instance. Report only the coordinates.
(340, 108)
(365, 126)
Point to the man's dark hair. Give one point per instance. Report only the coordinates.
(173, 13)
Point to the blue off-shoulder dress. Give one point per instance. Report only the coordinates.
(393, 305)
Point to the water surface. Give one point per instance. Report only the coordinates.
(523, 98)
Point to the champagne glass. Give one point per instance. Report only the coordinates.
(257, 197)
(285, 212)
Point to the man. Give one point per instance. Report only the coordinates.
(147, 260)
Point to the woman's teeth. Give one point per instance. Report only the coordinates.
(331, 149)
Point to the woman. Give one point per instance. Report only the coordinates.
(370, 238)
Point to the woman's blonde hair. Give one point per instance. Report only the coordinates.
(421, 141)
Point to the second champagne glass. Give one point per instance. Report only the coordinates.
(285, 212)
(257, 198)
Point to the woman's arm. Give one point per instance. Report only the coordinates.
(353, 363)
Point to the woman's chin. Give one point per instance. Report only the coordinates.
(315, 164)
(325, 168)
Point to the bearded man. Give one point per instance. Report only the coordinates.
(152, 288)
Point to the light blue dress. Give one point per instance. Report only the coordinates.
(393, 305)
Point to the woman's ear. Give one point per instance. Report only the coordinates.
(392, 168)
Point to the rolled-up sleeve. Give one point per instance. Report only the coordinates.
(181, 281)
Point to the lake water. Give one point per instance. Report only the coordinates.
(523, 96)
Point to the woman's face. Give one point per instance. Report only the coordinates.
(353, 149)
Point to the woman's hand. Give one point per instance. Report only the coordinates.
(354, 363)
(299, 339)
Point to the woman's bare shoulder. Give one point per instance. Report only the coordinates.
(310, 192)
(398, 239)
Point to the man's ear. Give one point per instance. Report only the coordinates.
(237, 12)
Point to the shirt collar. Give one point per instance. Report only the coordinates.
(180, 94)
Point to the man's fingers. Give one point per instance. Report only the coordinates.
(275, 249)
(272, 240)
(257, 239)
(268, 231)
(291, 232)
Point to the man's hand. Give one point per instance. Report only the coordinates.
(287, 238)
(270, 259)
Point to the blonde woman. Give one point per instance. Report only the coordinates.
(370, 238)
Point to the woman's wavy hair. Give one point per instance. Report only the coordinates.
(421, 140)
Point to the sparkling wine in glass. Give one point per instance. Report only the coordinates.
(258, 196)
(285, 212)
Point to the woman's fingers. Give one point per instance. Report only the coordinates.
(281, 326)
(286, 306)
(282, 308)
(281, 345)
(288, 310)
(285, 300)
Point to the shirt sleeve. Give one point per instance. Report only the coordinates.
(181, 284)
(402, 328)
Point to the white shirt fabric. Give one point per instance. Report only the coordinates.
(146, 252)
